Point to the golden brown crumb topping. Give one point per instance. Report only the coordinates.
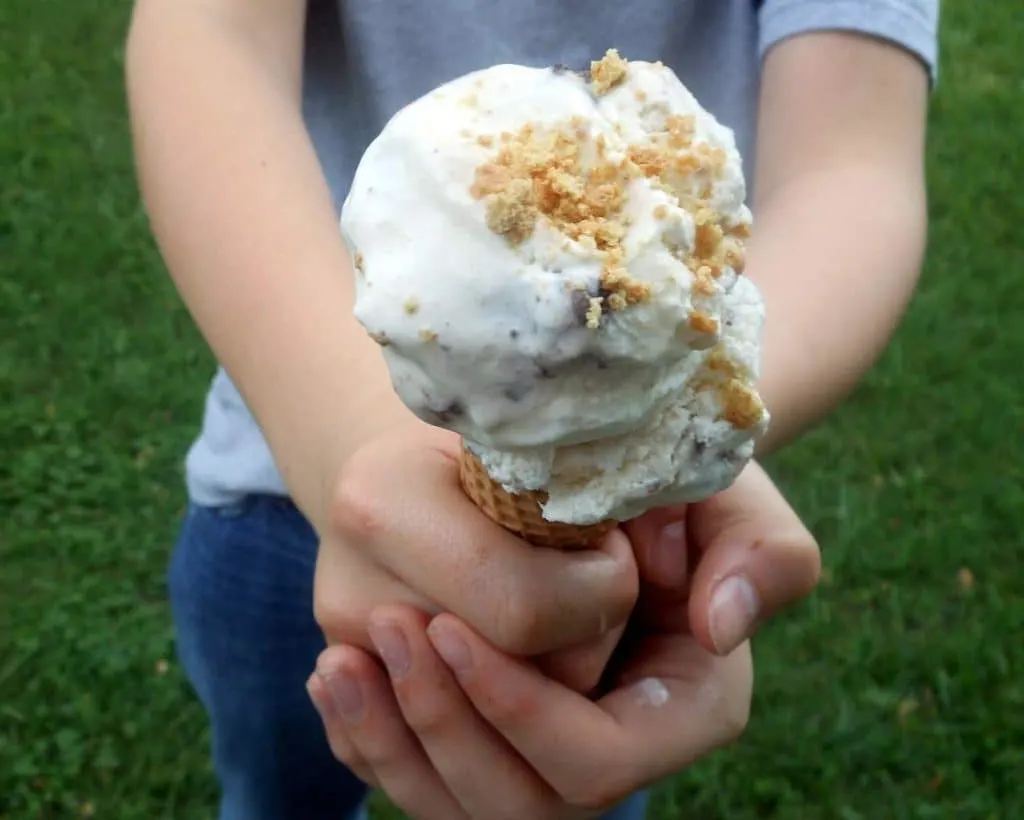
(357, 262)
(735, 256)
(708, 236)
(540, 173)
(741, 406)
(718, 362)
(607, 72)
(411, 306)
(703, 323)
(704, 280)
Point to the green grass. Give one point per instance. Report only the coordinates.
(895, 692)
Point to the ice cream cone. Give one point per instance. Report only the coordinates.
(521, 512)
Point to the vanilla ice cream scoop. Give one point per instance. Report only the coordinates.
(551, 262)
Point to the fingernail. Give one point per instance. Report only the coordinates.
(345, 693)
(669, 559)
(392, 647)
(451, 648)
(733, 612)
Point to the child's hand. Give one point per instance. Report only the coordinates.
(464, 731)
(403, 531)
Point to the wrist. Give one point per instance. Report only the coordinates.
(367, 417)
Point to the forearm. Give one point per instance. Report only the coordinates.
(244, 220)
(837, 254)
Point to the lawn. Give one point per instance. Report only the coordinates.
(897, 691)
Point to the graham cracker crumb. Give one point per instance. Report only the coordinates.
(742, 407)
(411, 306)
(512, 214)
(617, 302)
(594, 312)
(705, 216)
(428, 335)
(712, 158)
(703, 281)
(538, 173)
(552, 174)
(641, 95)
(680, 130)
(615, 279)
(703, 323)
(607, 72)
(358, 262)
(708, 238)
(718, 362)
(735, 256)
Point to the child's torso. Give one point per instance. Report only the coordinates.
(365, 59)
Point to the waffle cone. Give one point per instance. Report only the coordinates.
(521, 512)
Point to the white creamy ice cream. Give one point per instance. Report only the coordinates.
(551, 263)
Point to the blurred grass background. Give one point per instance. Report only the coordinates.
(895, 692)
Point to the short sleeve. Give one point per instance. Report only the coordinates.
(912, 24)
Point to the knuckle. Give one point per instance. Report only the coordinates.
(428, 725)
(385, 760)
(329, 617)
(509, 708)
(342, 749)
(339, 616)
(357, 509)
(798, 574)
(813, 566)
(519, 625)
(732, 715)
(428, 716)
(624, 592)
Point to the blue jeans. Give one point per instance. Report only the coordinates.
(241, 587)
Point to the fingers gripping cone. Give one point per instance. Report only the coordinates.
(521, 512)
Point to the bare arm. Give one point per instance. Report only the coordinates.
(244, 220)
(840, 217)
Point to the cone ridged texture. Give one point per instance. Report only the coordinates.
(521, 512)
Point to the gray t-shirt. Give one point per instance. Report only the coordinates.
(365, 59)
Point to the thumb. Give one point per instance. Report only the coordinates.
(757, 557)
